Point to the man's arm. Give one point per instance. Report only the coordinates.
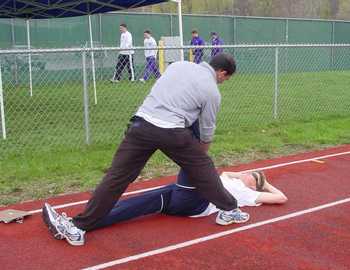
(271, 195)
(207, 118)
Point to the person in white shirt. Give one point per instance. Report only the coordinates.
(250, 189)
(151, 57)
(125, 57)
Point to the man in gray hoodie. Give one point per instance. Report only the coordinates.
(186, 93)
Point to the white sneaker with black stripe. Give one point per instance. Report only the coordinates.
(61, 226)
(50, 216)
(233, 216)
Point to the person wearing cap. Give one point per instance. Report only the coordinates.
(197, 41)
(215, 41)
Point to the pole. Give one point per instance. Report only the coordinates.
(235, 41)
(101, 44)
(15, 67)
(179, 9)
(92, 60)
(276, 85)
(29, 60)
(234, 35)
(180, 29)
(86, 101)
(2, 109)
(333, 42)
(286, 54)
(171, 25)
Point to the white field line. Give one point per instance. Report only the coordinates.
(261, 168)
(214, 236)
(85, 201)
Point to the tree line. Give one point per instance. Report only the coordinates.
(316, 9)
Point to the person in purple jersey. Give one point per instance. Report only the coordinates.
(197, 41)
(151, 57)
(215, 40)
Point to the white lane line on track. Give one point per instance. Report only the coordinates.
(85, 201)
(261, 168)
(214, 236)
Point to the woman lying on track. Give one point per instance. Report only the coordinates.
(181, 199)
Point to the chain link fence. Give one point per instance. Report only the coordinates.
(67, 102)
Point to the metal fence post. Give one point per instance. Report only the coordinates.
(13, 38)
(92, 59)
(171, 25)
(287, 31)
(332, 48)
(275, 100)
(29, 60)
(86, 101)
(235, 31)
(234, 36)
(2, 109)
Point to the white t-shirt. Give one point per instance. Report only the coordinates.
(244, 195)
(150, 43)
(126, 43)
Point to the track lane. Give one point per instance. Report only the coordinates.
(140, 235)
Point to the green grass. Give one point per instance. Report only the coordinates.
(45, 153)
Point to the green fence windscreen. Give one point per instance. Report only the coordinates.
(74, 32)
(300, 31)
(5, 33)
(257, 31)
(342, 32)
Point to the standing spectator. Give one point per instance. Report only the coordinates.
(215, 40)
(125, 58)
(197, 41)
(151, 57)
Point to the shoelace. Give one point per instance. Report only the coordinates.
(237, 214)
(67, 223)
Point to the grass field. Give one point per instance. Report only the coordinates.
(46, 154)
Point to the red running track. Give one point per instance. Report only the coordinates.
(316, 240)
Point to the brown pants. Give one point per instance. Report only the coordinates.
(141, 141)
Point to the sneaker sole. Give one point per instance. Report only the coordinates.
(224, 223)
(56, 234)
(74, 243)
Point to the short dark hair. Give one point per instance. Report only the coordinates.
(194, 31)
(147, 31)
(124, 25)
(224, 62)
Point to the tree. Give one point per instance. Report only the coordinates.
(326, 9)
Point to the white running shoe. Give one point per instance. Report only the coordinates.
(142, 80)
(50, 216)
(113, 80)
(233, 216)
(62, 226)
